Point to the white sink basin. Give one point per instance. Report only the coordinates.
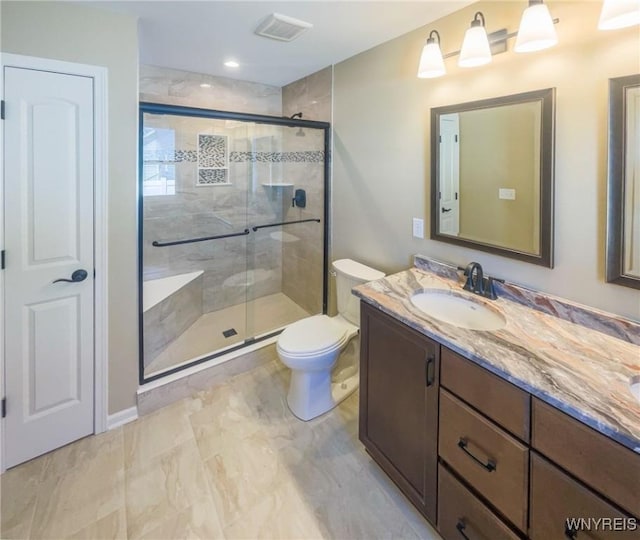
(634, 386)
(458, 310)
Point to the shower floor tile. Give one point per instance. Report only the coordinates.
(204, 336)
(230, 462)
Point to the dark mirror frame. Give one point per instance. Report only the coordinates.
(616, 179)
(546, 97)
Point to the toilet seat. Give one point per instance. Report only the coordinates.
(312, 336)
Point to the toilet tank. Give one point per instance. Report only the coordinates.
(348, 275)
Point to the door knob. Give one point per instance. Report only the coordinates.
(76, 277)
(444, 210)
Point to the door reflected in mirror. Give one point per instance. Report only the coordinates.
(492, 175)
(623, 208)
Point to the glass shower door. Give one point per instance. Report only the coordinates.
(231, 232)
(286, 248)
(194, 239)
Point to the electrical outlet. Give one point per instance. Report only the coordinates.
(508, 194)
(418, 228)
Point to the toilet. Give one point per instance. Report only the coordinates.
(310, 347)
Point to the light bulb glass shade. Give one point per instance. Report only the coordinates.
(537, 30)
(431, 61)
(475, 48)
(619, 14)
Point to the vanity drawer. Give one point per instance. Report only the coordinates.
(603, 464)
(489, 459)
(555, 497)
(500, 400)
(461, 512)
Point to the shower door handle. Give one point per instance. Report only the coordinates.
(155, 243)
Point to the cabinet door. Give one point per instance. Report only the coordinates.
(562, 508)
(398, 405)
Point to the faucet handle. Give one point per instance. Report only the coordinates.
(489, 290)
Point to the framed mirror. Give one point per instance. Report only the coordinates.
(623, 200)
(492, 175)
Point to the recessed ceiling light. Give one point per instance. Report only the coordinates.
(232, 64)
(205, 85)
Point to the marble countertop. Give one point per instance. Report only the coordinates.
(583, 371)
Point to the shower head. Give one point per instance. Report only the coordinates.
(296, 115)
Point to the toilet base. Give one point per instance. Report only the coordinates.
(311, 393)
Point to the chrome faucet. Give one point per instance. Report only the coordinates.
(477, 283)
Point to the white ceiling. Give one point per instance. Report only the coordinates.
(201, 36)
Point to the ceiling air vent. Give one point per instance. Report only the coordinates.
(282, 27)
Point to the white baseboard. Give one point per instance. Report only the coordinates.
(122, 417)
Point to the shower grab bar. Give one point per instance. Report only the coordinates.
(155, 243)
(284, 223)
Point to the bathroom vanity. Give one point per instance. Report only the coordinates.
(505, 433)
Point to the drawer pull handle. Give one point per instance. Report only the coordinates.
(431, 370)
(570, 533)
(490, 465)
(461, 526)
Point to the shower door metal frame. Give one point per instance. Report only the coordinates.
(177, 110)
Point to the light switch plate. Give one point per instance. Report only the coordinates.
(508, 194)
(418, 227)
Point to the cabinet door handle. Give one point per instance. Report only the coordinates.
(461, 526)
(570, 533)
(431, 369)
(490, 465)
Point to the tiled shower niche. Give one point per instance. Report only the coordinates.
(213, 160)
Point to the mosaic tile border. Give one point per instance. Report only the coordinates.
(191, 156)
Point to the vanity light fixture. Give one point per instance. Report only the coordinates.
(537, 30)
(431, 61)
(619, 14)
(475, 46)
(231, 64)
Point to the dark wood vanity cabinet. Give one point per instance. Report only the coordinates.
(399, 373)
(489, 458)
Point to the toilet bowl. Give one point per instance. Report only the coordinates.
(311, 347)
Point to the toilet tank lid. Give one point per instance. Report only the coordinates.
(357, 270)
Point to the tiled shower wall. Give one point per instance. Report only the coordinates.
(302, 270)
(175, 87)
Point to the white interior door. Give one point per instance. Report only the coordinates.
(449, 175)
(49, 230)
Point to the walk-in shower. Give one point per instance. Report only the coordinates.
(232, 231)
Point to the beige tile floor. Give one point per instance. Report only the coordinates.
(229, 463)
(204, 336)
